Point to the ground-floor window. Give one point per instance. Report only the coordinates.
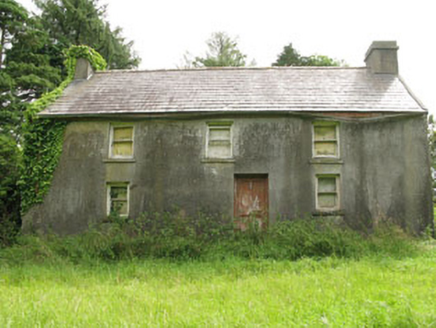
(327, 192)
(118, 198)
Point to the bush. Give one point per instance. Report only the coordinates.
(204, 237)
(10, 219)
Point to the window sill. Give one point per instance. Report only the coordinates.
(326, 160)
(217, 160)
(332, 213)
(332, 217)
(119, 160)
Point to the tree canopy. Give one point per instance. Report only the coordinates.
(12, 18)
(291, 57)
(222, 51)
(82, 22)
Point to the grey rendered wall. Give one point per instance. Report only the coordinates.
(384, 171)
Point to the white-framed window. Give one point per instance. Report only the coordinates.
(327, 192)
(118, 194)
(325, 139)
(219, 140)
(121, 141)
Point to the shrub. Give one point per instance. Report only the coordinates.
(10, 219)
(202, 237)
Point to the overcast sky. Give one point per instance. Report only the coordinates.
(163, 30)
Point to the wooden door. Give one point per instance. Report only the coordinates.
(251, 200)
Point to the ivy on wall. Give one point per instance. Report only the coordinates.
(43, 137)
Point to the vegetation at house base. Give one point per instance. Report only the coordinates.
(172, 236)
(222, 52)
(9, 194)
(43, 138)
(291, 57)
(200, 272)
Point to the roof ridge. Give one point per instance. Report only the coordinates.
(229, 69)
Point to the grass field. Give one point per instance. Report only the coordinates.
(330, 292)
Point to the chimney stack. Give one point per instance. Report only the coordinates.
(83, 69)
(381, 57)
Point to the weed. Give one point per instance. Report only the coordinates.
(179, 237)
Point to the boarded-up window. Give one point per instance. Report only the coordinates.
(219, 140)
(327, 193)
(325, 140)
(121, 141)
(118, 199)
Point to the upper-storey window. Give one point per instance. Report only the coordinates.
(121, 141)
(219, 140)
(325, 139)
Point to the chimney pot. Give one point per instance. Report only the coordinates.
(381, 57)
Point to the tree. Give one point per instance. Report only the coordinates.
(27, 71)
(10, 220)
(223, 51)
(81, 22)
(288, 57)
(12, 18)
(30, 69)
(291, 57)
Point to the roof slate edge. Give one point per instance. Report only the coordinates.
(228, 69)
(412, 94)
(265, 111)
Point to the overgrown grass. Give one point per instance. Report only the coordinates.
(331, 292)
(205, 238)
(178, 272)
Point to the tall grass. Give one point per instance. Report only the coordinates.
(171, 271)
(328, 292)
(208, 238)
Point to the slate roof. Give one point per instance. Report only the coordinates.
(235, 90)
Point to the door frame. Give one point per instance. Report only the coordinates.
(264, 176)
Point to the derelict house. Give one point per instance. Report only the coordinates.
(341, 142)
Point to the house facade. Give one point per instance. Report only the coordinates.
(267, 142)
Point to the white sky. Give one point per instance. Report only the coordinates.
(163, 30)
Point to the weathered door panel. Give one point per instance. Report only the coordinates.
(251, 200)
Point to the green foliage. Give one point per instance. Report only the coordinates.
(223, 51)
(330, 292)
(10, 158)
(178, 271)
(291, 57)
(12, 18)
(82, 22)
(32, 54)
(27, 74)
(43, 138)
(176, 236)
(97, 62)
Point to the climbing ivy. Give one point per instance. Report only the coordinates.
(43, 137)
